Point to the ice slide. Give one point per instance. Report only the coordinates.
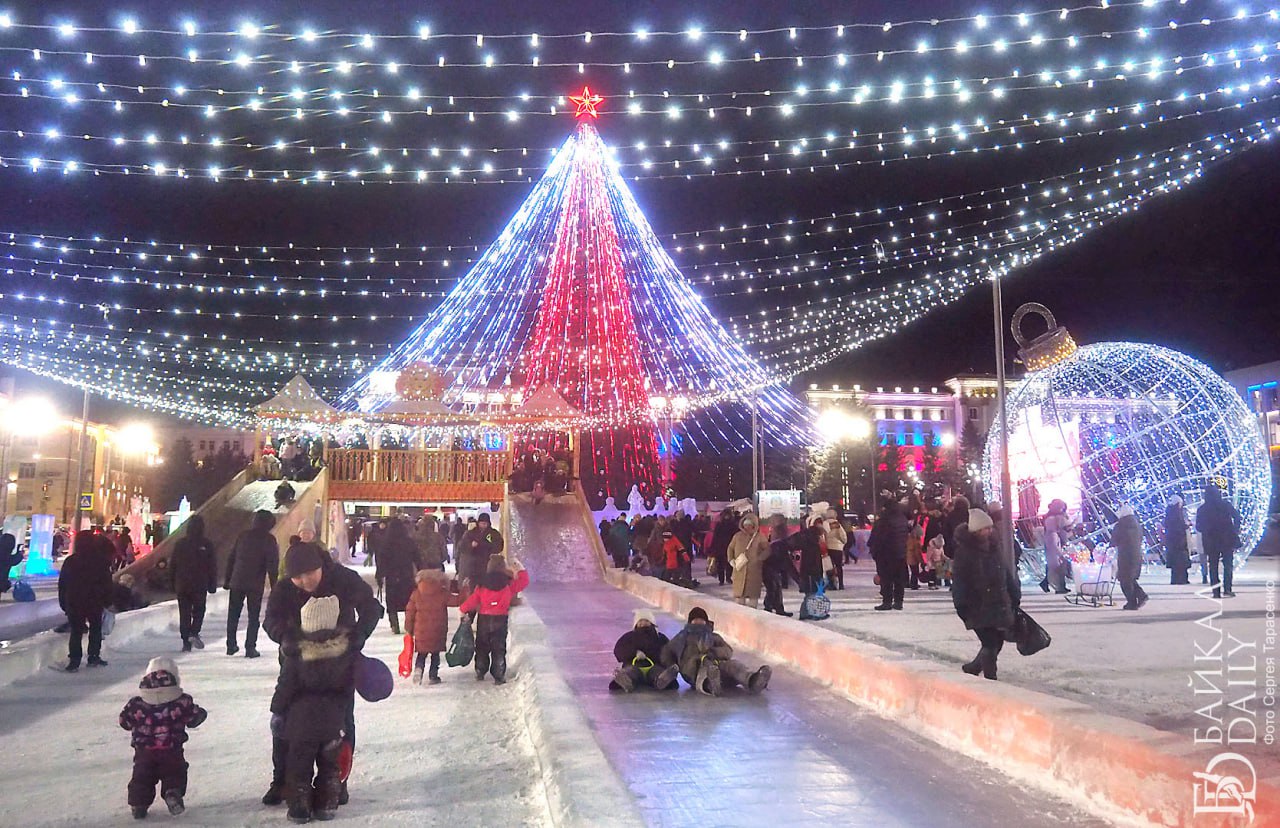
(797, 754)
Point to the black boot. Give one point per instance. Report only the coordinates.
(300, 804)
(273, 796)
(973, 667)
(1044, 584)
(883, 605)
(1217, 592)
(139, 812)
(988, 664)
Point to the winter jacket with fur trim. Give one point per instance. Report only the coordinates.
(315, 685)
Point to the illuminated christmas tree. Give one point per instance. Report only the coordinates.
(578, 295)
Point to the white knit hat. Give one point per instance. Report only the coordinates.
(979, 520)
(163, 663)
(1175, 501)
(643, 615)
(1125, 511)
(320, 614)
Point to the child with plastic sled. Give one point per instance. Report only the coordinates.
(309, 707)
(492, 601)
(638, 651)
(159, 717)
(705, 661)
(426, 618)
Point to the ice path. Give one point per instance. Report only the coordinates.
(798, 754)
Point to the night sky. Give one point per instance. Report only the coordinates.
(1194, 270)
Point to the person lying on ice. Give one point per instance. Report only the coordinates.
(309, 709)
(705, 661)
(492, 600)
(638, 651)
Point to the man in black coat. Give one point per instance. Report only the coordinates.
(1218, 523)
(195, 572)
(309, 573)
(637, 652)
(473, 551)
(255, 560)
(84, 591)
(888, 543)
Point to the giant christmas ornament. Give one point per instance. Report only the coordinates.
(1121, 422)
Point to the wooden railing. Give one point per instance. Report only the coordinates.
(394, 466)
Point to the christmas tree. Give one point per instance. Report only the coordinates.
(578, 295)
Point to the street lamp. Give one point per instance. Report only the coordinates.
(839, 427)
(26, 417)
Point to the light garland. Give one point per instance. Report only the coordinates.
(250, 31)
(901, 144)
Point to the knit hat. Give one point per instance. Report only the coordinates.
(484, 518)
(319, 614)
(1125, 511)
(643, 615)
(979, 520)
(164, 663)
(1175, 501)
(160, 683)
(698, 612)
(305, 527)
(301, 557)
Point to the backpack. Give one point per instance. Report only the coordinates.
(462, 648)
(22, 591)
(816, 607)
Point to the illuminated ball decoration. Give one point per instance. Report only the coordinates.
(1122, 422)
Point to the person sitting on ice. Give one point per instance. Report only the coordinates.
(705, 661)
(492, 601)
(158, 718)
(637, 652)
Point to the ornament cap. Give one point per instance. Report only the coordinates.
(1050, 347)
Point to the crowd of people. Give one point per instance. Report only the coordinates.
(321, 613)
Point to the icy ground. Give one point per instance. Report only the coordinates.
(1136, 665)
(798, 754)
(454, 754)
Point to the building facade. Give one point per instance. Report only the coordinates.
(42, 470)
(205, 442)
(1259, 386)
(916, 417)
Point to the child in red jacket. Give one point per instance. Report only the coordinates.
(158, 718)
(492, 600)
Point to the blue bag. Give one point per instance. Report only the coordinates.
(816, 607)
(22, 591)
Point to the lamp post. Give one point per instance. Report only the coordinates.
(26, 417)
(1006, 530)
(839, 428)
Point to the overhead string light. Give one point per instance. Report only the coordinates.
(880, 312)
(250, 31)
(354, 105)
(829, 150)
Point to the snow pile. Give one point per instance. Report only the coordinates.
(453, 754)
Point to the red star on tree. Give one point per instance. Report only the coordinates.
(587, 102)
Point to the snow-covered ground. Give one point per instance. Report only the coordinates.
(1136, 665)
(458, 753)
